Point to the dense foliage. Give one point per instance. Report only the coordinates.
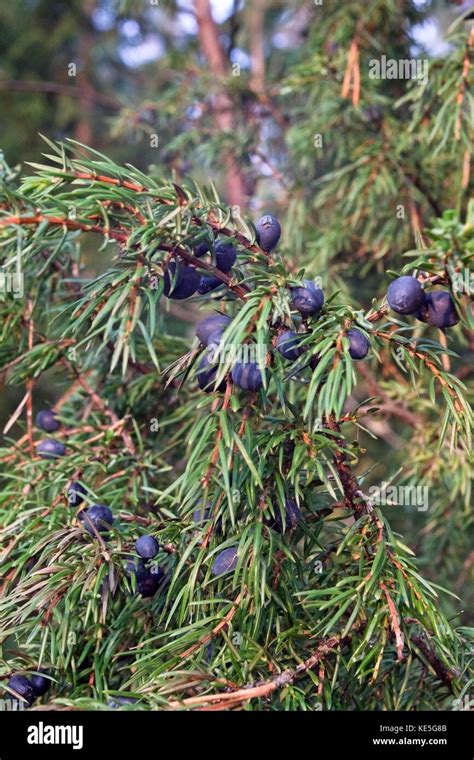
(319, 601)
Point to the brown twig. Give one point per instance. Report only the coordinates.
(353, 498)
(427, 362)
(138, 188)
(70, 224)
(441, 670)
(101, 405)
(122, 236)
(231, 698)
(395, 621)
(215, 453)
(221, 625)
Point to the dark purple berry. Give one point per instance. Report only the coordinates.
(99, 517)
(40, 684)
(22, 686)
(75, 494)
(118, 702)
(225, 562)
(202, 514)
(405, 295)
(210, 325)
(291, 518)
(46, 420)
(213, 345)
(206, 375)
(288, 344)
(148, 579)
(180, 281)
(438, 309)
(308, 300)
(268, 232)
(208, 283)
(247, 376)
(147, 547)
(136, 567)
(200, 250)
(225, 256)
(358, 344)
(149, 585)
(50, 449)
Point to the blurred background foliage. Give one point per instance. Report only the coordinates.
(138, 81)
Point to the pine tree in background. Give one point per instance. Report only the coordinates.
(254, 555)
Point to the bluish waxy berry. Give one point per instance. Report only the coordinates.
(202, 514)
(22, 686)
(405, 295)
(209, 652)
(135, 567)
(213, 345)
(47, 420)
(291, 518)
(225, 256)
(147, 547)
(180, 281)
(308, 300)
(99, 517)
(75, 494)
(210, 325)
(149, 579)
(118, 702)
(148, 586)
(40, 684)
(288, 345)
(247, 376)
(358, 344)
(206, 376)
(373, 116)
(50, 449)
(268, 232)
(438, 309)
(225, 562)
(200, 249)
(208, 283)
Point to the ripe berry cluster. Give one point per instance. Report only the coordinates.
(307, 299)
(183, 280)
(406, 296)
(149, 577)
(49, 448)
(98, 518)
(28, 689)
